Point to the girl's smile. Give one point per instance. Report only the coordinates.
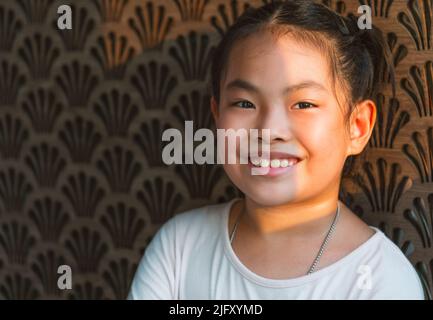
(274, 164)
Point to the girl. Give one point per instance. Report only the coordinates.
(307, 74)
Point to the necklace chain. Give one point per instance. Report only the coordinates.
(322, 247)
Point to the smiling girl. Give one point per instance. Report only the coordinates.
(308, 75)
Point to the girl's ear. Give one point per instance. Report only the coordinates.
(214, 108)
(362, 122)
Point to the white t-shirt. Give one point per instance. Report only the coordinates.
(191, 257)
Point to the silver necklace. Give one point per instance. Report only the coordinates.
(322, 247)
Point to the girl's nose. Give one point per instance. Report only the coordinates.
(277, 120)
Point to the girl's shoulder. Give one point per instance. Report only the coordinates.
(394, 274)
(375, 255)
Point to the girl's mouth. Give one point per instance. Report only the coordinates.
(274, 164)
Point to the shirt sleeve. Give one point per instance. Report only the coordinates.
(400, 290)
(398, 281)
(155, 278)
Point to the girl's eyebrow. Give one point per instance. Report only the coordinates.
(243, 84)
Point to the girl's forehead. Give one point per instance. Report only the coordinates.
(263, 58)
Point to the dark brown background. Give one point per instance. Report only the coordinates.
(81, 113)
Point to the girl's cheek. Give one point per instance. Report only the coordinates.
(233, 120)
(322, 138)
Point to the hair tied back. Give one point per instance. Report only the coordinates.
(343, 26)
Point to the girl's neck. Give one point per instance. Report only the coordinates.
(294, 220)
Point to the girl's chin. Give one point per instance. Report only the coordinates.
(265, 189)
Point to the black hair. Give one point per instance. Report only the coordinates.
(358, 57)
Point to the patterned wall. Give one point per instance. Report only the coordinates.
(81, 115)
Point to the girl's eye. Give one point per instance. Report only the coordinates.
(305, 105)
(243, 104)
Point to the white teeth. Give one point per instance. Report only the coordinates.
(264, 163)
(275, 163)
(292, 162)
(284, 163)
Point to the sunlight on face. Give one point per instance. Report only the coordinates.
(286, 87)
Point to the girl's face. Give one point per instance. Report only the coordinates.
(285, 86)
